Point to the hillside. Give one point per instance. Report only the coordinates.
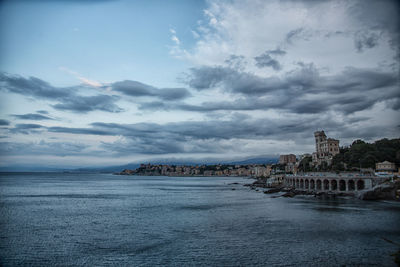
(366, 155)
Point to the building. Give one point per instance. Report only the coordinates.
(385, 166)
(276, 180)
(261, 171)
(291, 167)
(326, 148)
(285, 159)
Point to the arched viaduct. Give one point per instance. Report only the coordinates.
(329, 183)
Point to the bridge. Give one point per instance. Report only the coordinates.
(343, 182)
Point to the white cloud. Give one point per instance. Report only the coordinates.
(84, 80)
(320, 32)
(175, 39)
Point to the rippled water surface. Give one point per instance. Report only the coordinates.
(103, 219)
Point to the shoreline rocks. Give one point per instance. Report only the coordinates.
(291, 192)
(384, 191)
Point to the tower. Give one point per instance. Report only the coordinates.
(320, 139)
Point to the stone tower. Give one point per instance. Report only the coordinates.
(320, 139)
(325, 148)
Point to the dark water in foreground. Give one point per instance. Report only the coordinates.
(101, 219)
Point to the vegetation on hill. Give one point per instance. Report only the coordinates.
(305, 164)
(366, 155)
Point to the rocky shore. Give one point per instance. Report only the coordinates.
(389, 190)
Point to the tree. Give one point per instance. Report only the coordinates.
(304, 165)
(366, 155)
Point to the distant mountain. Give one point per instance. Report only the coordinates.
(256, 161)
(131, 166)
(191, 162)
(117, 168)
(28, 168)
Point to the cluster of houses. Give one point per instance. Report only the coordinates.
(286, 172)
(256, 170)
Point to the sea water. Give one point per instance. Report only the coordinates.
(63, 219)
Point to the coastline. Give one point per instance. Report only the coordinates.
(384, 191)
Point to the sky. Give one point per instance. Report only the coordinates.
(109, 82)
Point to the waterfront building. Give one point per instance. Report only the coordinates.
(285, 159)
(261, 171)
(291, 167)
(243, 172)
(276, 180)
(385, 166)
(208, 173)
(219, 173)
(326, 148)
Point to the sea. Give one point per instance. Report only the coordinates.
(81, 219)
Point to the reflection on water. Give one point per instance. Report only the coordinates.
(101, 219)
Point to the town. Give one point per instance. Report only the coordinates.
(330, 168)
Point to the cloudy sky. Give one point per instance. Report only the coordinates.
(105, 82)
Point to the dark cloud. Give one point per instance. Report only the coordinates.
(268, 59)
(236, 62)
(134, 88)
(276, 52)
(60, 149)
(4, 122)
(212, 136)
(302, 90)
(365, 39)
(67, 98)
(32, 87)
(143, 146)
(209, 77)
(42, 111)
(375, 19)
(32, 116)
(61, 1)
(88, 131)
(306, 78)
(265, 60)
(396, 106)
(231, 80)
(193, 130)
(173, 93)
(206, 136)
(248, 103)
(83, 104)
(298, 34)
(27, 128)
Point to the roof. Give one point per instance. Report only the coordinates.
(385, 162)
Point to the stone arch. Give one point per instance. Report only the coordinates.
(342, 185)
(351, 185)
(334, 185)
(360, 185)
(301, 183)
(319, 184)
(312, 184)
(326, 184)
(307, 184)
